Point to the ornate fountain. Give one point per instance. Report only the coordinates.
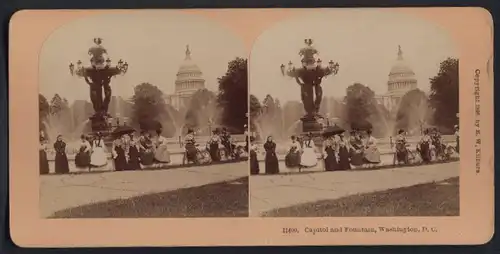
(98, 76)
(309, 76)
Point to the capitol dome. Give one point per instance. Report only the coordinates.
(189, 77)
(401, 77)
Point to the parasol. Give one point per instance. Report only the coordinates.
(332, 130)
(122, 130)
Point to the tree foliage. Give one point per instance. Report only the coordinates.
(360, 104)
(58, 105)
(362, 110)
(44, 110)
(233, 95)
(444, 94)
(255, 111)
(149, 106)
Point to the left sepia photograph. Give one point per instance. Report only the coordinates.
(143, 114)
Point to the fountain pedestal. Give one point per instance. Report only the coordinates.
(314, 126)
(99, 123)
(311, 124)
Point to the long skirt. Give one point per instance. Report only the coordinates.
(402, 155)
(308, 158)
(134, 159)
(147, 157)
(330, 160)
(372, 155)
(214, 152)
(425, 152)
(271, 162)
(120, 160)
(254, 163)
(162, 154)
(98, 158)
(292, 159)
(61, 161)
(82, 159)
(357, 157)
(191, 152)
(44, 163)
(344, 163)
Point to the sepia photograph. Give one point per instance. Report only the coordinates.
(251, 127)
(368, 125)
(143, 115)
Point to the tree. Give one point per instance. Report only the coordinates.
(202, 109)
(362, 110)
(233, 95)
(444, 94)
(413, 111)
(360, 104)
(255, 111)
(44, 110)
(149, 106)
(57, 104)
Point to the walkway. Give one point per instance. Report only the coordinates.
(58, 192)
(271, 192)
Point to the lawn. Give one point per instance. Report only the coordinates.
(432, 199)
(226, 199)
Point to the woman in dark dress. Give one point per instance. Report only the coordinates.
(61, 160)
(119, 156)
(146, 149)
(44, 163)
(271, 161)
(330, 158)
(357, 149)
(424, 147)
(343, 153)
(82, 158)
(213, 146)
(292, 158)
(133, 154)
(254, 161)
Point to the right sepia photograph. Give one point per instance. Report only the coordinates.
(354, 113)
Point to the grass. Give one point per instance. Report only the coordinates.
(226, 199)
(431, 199)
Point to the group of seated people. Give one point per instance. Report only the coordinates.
(359, 149)
(430, 147)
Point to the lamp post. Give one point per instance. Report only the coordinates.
(98, 76)
(309, 76)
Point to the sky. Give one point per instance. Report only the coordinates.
(153, 43)
(363, 42)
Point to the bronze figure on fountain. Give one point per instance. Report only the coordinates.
(309, 77)
(98, 76)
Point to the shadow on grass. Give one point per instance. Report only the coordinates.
(431, 199)
(225, 199)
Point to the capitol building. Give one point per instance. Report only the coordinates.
(401, 80)
(189, 80)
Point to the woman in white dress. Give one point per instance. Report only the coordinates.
(98, 158)
(162, 155)
(372, 154)
(309, 157)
